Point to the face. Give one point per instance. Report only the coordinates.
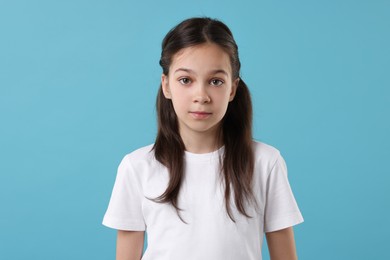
(200, 85)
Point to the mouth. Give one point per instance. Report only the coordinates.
(200, 114)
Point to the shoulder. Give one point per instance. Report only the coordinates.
(265, 151)
(143, 154)
(266, 157)
(139, 163)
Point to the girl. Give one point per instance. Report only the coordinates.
(205, 189)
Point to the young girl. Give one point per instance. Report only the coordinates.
(204, 190)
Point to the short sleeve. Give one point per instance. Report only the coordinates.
(281, 209)
(125, 207)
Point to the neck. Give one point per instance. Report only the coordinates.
(196, 142)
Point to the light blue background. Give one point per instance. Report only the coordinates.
(78, 84)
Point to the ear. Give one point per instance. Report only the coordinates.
(165, 86)
(234, 89)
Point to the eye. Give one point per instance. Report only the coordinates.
(185, 81)
(216, 82)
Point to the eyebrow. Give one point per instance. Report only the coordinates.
(211, 72)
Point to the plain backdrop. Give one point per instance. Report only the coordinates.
(78, 81)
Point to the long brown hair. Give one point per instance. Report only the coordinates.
(236, 127)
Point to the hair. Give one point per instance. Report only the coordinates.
(237, 164)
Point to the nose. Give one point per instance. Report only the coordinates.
(201, 95)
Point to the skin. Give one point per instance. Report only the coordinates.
(281, 244)
(200, 85)
(129, 245)
(200, 80)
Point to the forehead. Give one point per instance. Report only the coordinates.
(202, 57)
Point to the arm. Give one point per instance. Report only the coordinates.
(281, 244)
(129, 245)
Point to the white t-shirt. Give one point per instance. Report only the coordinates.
(210, 234)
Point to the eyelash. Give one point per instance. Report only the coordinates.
(220, 82)
(183, 83)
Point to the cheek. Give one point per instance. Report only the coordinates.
(179, 103)
(224, 102)
(180, 96)
(223, 97)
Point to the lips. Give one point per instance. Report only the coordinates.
(200, 114)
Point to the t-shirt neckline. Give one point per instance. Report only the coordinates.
(198, 157)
